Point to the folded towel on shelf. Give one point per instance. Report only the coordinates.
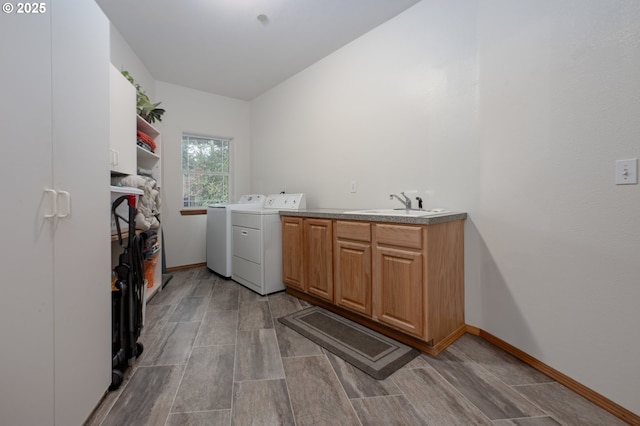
(144, 145)
(147, 139)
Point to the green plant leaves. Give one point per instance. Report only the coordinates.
(146, 109)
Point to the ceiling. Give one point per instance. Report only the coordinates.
(226, 47)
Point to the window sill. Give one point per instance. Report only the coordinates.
(192, 212)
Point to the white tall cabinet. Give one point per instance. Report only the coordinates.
(122, 154)
(55, 323)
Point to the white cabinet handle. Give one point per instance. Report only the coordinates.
(67, 198)
(114, 157)
(244, 233)
(54, 204)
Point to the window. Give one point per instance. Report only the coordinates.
(205, 170)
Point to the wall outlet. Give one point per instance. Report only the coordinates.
(627, 172)
(354, 186)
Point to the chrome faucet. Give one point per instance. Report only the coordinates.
(406, 201)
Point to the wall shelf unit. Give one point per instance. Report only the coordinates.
(150, 161)
(143, 162)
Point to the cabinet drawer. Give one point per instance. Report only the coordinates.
(358, 231)
(399, 235)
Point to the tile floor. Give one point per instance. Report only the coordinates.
(215, 355)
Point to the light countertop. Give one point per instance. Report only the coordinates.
(341, 215)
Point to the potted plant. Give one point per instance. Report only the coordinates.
(146, 109)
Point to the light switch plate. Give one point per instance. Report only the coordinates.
(627, 172)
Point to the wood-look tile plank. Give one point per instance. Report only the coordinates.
(254, 315)
(218, 328)
(358, 384)
(172, 345)
(207, 381)
(257, 356)
(292, 343)
(201, 288)
(492, 396)
(147, 398)
(528, 421)
(180, 277)
(247, 295)
(189, 309)
(567, 406)
(202, 418)
(224, 297)
(506, 367)
(155, 317)
(174, 290)
(100, 413)
(282, 304)
(261, 402)
(418, 362)
(436, 400)
(387, 411)
(201, 272)
(316, 395)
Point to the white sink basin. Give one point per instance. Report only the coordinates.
(394, 212)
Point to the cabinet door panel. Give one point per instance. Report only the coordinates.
(82, 297)
(399, 290)
(122, 112)
(292, 252)
(353, 276)
(26, 305)
(318, 237)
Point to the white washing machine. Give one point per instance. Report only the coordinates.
(257, 243)
(219, 232)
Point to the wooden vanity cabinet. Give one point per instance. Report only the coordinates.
(404, 280)
(352, 263)
(318, 257)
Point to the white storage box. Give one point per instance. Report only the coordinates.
(122, 210)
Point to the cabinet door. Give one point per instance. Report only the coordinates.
(82, 291)
(398, 288)
(353, 275)
(26, 305)
(318, 237)
(292, 252)
(122, 119)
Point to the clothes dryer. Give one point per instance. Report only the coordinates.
(219, 232)
(257, 243)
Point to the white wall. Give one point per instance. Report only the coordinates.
(514, 112)
(199, 113)
(124, 59)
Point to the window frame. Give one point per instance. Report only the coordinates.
(193, 210)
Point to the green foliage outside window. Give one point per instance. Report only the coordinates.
(205, 170)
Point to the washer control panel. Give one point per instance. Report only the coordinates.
(286, 202)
